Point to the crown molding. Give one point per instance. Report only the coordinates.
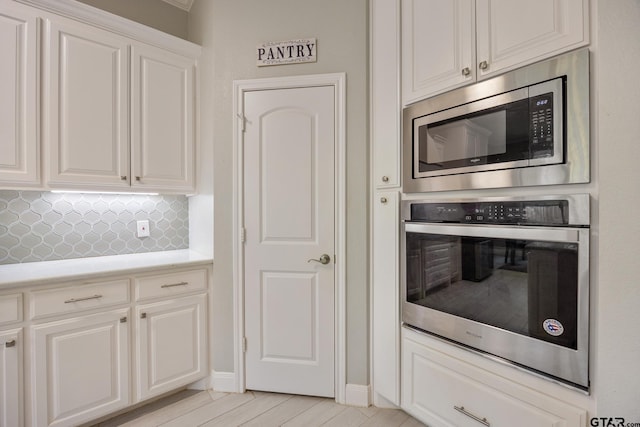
(182, 4)
(116, 24)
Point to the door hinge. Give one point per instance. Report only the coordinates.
(243, 234)
(244, 344)
(243, 121)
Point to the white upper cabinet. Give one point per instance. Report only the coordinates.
(162, 119)
(438, 46)
(385, 92)
(119, 114)
(450, 43)
(19, 154)
(86, 117)
(513, 33)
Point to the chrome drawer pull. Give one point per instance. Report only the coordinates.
(11, 343)
(173, 285)
(470, 415)
(69, 301)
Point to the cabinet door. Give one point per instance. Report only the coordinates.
(86, 109)
(163, 120)
(19, 155)
(171, 345)
(80, 368)
(442, 391)
(438, 46)
(11, 378)
(385, 92)
(386, 316)
(512, 33)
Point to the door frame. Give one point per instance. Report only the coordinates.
(240, 87)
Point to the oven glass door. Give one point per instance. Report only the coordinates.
(525, 285)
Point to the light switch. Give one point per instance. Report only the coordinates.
(142, 228)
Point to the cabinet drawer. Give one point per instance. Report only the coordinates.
(170, 284)
(442, 391)
(79, 297)
(10, 308)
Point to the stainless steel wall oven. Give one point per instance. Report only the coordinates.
(507, 277)
(526, 127)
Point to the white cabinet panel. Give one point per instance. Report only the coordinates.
(87, 111)
(441, 390)
(514, 32)
(385, 92)
(451, 43)
(74, 299)
(10, 308)
(11, 401)
(438, 46)
(19, 153)
(171, 345)
(162, 119)
(386, 304)
(170, 284)
(80, 368)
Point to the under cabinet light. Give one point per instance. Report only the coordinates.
(128, 193)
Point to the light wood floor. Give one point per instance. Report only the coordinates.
(208, 408)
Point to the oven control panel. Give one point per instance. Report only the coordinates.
(547, 212)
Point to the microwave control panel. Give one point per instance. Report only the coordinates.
(541, 125)
(548, 212)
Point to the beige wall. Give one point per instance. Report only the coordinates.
(229, 31)
(154, 13)
(617, 308)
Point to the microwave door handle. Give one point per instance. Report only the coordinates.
(496, 232)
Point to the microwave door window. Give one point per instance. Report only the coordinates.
(461, 143)
(523, 286)
(494, 137)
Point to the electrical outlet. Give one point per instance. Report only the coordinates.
(142, 228)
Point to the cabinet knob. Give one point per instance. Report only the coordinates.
(385, 179)
(123, 177)
(143, 315)
(466, 71)
(483, 65)
(138, 178)
(383, 200)
(11, 343)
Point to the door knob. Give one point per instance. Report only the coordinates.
(324, 259)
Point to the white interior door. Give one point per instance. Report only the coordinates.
(289, 217)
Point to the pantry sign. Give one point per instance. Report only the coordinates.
(297, 51)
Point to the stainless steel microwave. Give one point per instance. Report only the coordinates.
(526, 127)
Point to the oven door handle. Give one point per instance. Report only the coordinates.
(497, 232)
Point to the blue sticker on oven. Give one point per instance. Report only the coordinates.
(553, 327)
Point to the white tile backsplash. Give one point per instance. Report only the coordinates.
(43, 226)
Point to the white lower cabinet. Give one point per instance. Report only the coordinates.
(386, 304)
(442, 390)
(11, 378)
(171, 344)
(80, 368)
(86, 355)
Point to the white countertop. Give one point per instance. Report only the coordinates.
(30, 273)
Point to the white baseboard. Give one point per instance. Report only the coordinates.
(224, 382)
(382, 402)
(203, 384)
(358, 395)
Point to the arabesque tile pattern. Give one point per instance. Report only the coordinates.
(43, 226)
